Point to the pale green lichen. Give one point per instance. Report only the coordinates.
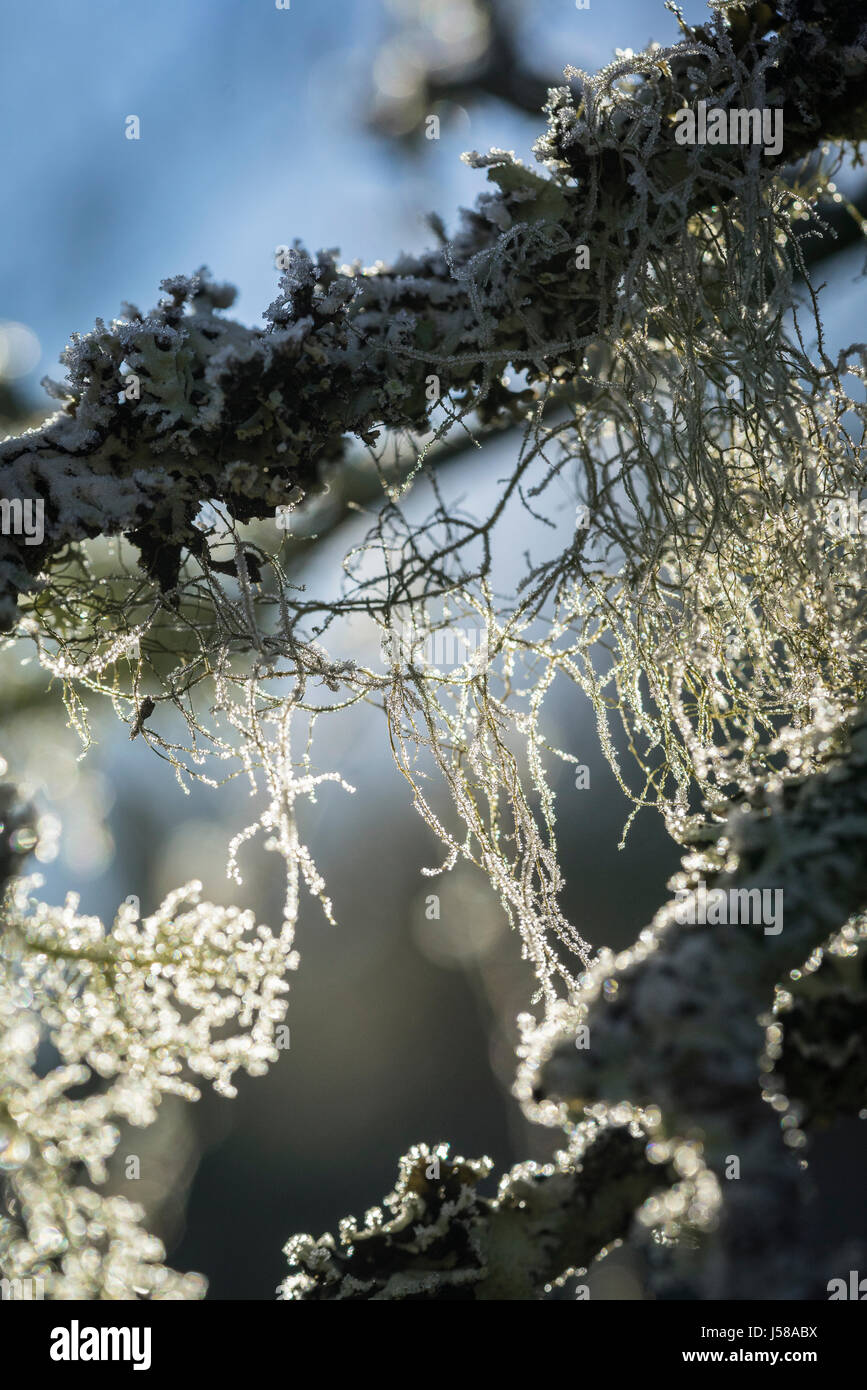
(706, 604)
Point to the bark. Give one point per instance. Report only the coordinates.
(676, 1023)
(679, 1031)
(249, 417)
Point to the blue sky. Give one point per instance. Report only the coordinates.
(252, 133)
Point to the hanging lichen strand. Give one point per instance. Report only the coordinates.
(134, 1013)
(708, 599)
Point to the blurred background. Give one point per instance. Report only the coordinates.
(259, 125)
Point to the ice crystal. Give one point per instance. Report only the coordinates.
(679, 394)
(131, 1014)
(705, 605)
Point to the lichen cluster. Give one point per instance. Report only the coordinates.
(641, 311)
(132, 1013)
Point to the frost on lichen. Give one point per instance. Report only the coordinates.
(706, 604)
(442, 1239)
(431, 1238)
(96, 1026)
(670, 380)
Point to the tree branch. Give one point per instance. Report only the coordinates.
(248, 417)
(673, 1025)
(445, 1242)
